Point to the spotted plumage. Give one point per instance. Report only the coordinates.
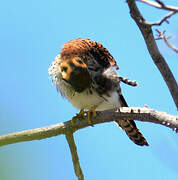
(85, 73)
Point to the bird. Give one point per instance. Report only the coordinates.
(85, 73)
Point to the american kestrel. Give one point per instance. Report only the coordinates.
(85, 73)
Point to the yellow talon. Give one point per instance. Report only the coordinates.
(79, 115)
(91, 113)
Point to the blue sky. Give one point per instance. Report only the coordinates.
(31, 35)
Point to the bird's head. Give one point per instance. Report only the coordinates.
(75, 72)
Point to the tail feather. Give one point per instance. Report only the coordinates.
(128, 81)
(133, 132)
(131, 129)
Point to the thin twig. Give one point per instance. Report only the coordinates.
(158, 59)
(141, 114)
(164, 19)
(75, 158)
(160, 5)
(161, 35)
(160, 2)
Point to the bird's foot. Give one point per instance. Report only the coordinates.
(81, 114)
(91, 113)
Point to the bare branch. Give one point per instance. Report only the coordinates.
(160, 5)
(75, 158)
(161, 35)
(158, 59)
(160, 2)
(141, 114)
(164, 19)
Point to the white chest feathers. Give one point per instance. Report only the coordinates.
(87, 100)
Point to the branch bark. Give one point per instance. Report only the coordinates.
(126, 113)
(164, 19)
(161, 35)
(75, 158)
(160, 5)
(158, 59)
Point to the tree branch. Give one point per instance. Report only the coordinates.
(161, 35)
(75, 158)
(158, 59)
(160, 5)
(126, 113)
(164, 19)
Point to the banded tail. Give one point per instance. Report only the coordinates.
(128, 81)
(131, 129)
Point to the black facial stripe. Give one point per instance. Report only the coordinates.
(64, 68)
(72, 65)
(79, 61)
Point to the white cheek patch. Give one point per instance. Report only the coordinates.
(63, 74)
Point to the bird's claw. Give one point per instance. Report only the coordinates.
(91, 113)
(81, 114)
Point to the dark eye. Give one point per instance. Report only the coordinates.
(64, 69)
(79, 61)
